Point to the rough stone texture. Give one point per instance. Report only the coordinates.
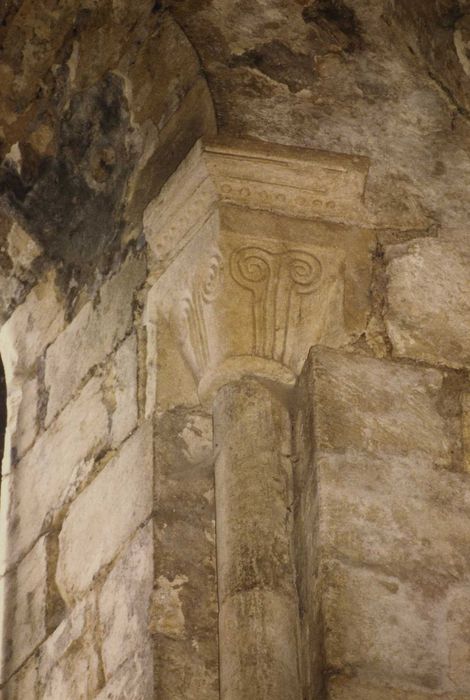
(121, 392)
(85, 130)
(76, 675)
(124, 604)
(65, 452)
(32, 327)
(69, 660)
(23, 684)
(27, 418)
(105, 514)
(257, 597)
(386, 80)
(466, 430)
(132, 680)
(184, 611)
(24, 601)
(376, 574)
(428, 300)
(92, 335)
(99, 103)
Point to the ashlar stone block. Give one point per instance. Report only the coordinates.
(133, 680)
(377, 407)
(40, 483)
(24, 684)
(381, 531)
(24, 600)
(92, 335)
(383, 628)
(428, 302)
(32, 327)
(105, 515)
(122, 390)
(124, 603)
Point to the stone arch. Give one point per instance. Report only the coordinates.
(79, 178)
(76, 184)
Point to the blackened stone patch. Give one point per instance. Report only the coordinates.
(72, 203)
(337, 15)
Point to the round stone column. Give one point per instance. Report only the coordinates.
(258, 610)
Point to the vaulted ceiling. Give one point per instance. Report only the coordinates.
(100, 100)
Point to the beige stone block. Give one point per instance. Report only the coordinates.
(26, 424)
(428, 303)
(377, 406)
(185, 609)
(75, 675)
(458, 638)
(23, 685)
(92, 335)
(121, 388)
(133, 680)
(183, 205)
(31, 328)
(383, 513)
(67, 634)
(105, 514)
(22, 249)
(382, 628)
(343, 688)
(52, 470)
(466, 431)
(24, 599)
(124, 602)
(296, 181)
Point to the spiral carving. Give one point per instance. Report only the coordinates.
(304, 270)
(250, 266)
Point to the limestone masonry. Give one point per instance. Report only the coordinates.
(235, 337)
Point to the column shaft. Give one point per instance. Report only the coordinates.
(258, 608)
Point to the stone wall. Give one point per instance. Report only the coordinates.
(77, 496)
(119, 296)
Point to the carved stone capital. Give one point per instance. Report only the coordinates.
(250, 276)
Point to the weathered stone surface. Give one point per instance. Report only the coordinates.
(133, 680)
(390, 401)
(252, 293)
(65, 636)
(69, 662)
(382, 628)
(26, 426)
(428, 300)
(351, 689)
(24, 594)
(105, 514)
(121, 390)
(31, 328)
(124, 603)
(76, 675)
(384, 516)
(258, 607)
(458, 638)
(99, 102)
(466, 430)
(42, 481)
(23, 684)
(184, 608)
(92, 335)
(376, 574)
